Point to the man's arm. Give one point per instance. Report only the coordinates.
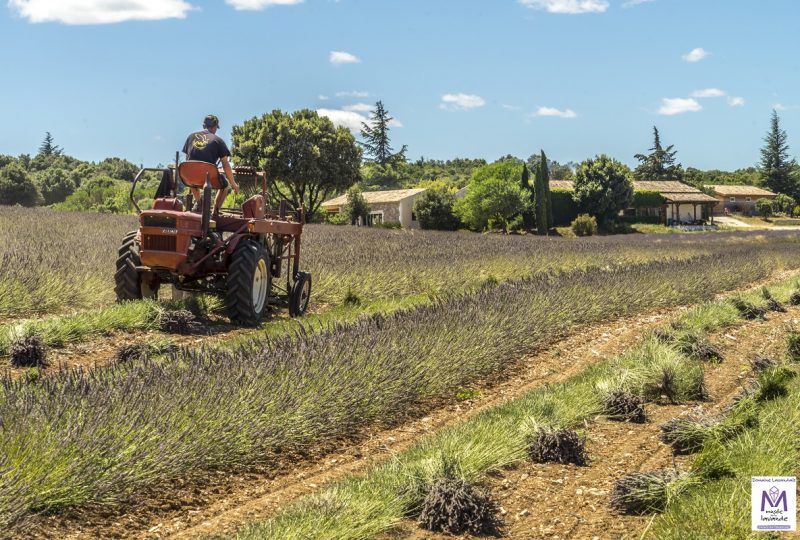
(226, 166)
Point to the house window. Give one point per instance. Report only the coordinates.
(413, 216)
(747, 199)
(733, 199)
(375, 218)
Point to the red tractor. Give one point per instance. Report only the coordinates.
(248, 256)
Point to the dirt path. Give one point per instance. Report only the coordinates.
(218, 502)
(553, 501)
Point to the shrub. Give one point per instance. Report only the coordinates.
(666, 375)
(454, 506)
(584, 225)
(337, 219)
(565, 210)
(434, 209)
(764, 208)
(698, 347)
(28, 351)
(548, 444)
(16, 186)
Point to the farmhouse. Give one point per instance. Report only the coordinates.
(395, 206)
(678, 202)
(682, 203)
(739, 198)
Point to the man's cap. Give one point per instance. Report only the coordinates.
(210, 121)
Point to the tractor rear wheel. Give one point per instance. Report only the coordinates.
(300, 295)
(249, 284)
(128, 281)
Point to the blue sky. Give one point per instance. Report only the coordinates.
(463, 78)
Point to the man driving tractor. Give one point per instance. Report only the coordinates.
(208, 147)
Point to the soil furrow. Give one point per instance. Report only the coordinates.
(221, 501)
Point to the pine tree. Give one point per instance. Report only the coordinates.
(47, 148)
(775, 166)
(377, 144)
(659, 164)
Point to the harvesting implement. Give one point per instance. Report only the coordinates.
(250, 256)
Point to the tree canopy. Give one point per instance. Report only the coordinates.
(305, 156)
(494, 196)
(434, 209)
(377, 144)
(48, 147)
(16, 186)
(659, 164)
(776, 166)
(603, 187)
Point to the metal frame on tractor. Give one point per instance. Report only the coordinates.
(236, 254)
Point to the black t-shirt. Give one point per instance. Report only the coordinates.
(205, 146)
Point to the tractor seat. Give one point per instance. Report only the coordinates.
(194, 174)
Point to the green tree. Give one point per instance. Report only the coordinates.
(305, 156)
(776, 167)
(434, 209)
(557, 170)
(48, 148)
(784, 204)
(603, 187)
(494, 196)
(528, 214)
(16, 186)
(659, 164)
(542, 202)
(356, 206)
(377, 144)
(118, 168)
(764, 208)
(55, 185)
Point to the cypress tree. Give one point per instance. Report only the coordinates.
(525, 182)
(546, 182)
(541, 200)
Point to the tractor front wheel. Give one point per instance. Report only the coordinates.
(249, 284)
(128, 282)
(300, 295)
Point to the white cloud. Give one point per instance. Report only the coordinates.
(341, 57)
(671, 106)
(779, 107)
(572, 7)
(353, 93)
(552, 111)
(358, 107)
(508, 107)
(323, 97)
(99, 11)
(735, 101)
(695, 55)
(348, 119)
(461, 102)
(255, 5)
(708, 93)
(633, 3)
